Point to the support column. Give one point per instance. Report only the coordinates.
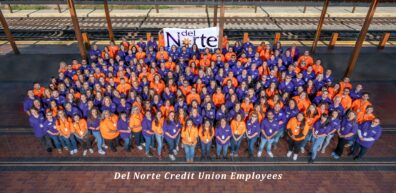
(221, 25)
(59, 8)
(320, 24)
(10, 8)
(362, 37)
(215, 16)
(108, 20)
(76, 28)
(8, 33)
(157, 8)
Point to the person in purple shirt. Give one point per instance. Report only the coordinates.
(368, 133)
(93, 123)
(335, 124)
(172, 130)
(346, 133)
(221, 113)
(52, 132)
(252, 133)
(123, 107)
(196, 117)
(320, 130)
(28, 103)
(280, 118)
(36, 122)
(323, 99)
(223, 136)
(287, 86)
(357, 92)
(269, 129)
(291, 110)
(148, 133)
(209, 112)
(125, 131)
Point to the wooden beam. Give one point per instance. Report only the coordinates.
(59, 8)
(245, 37)
(76, 27)
(157, 8)
(362, 37)
(383, 41)
(255, 9)
(108, 20)
(333, 40)
(86, 41)
(215, 16)
(10, 8)
(221, 25)
(277, 38)
(305, 8)
(319, 27)
(8, 33)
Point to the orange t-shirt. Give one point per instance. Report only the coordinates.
(80, 128)
(108, 127)
(189, 135)
(135, 122)
(206, 136)
(294, 127)
(238, 127)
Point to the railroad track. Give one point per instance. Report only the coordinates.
(50, 28)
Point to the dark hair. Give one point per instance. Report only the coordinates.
(203, 127)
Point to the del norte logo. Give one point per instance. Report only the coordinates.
(203, 38)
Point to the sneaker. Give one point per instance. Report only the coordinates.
(75, 151)
(85, 153)
(101, 152)
(177, 148)
(295, 156)
(235, 155)
(335, 156)
(172, 157)
(289, 153)
(140, 147)
(67, 149)
(71, 152)
(91, 151)
(149, 154)
(270, 154)
(323, 151)
(259, 154)
(302, 150)
(59, 150)
(143, 144)
(175, 151)
(105, 146)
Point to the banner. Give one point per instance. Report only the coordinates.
(203, 38)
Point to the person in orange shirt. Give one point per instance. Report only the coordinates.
(80, 128)
(317, 67)
(204, 62)
(189, 137)
(231, 78)
(170, 65)
(306, 58)
(206, 134)
(265, 53)
(311, 116)
(185, 88)
(161, 40)
(360, 105)
(238, 127)
(123, 87)
(162, 54)
(296, 130)
(346, 100)
(113, 49)
(366, 115)
(140, 54)
(38, 91)
(302, 101)
(167, 108)
(193, 96)
(157, 85)
(63, 125)
(218, 98)
(108, 129)
(218, 54)
(156, 126)
(229, 54)
(135, 124)
(345, 83)
(247, 106)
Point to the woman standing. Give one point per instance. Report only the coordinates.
(269, 130)
(189, 139)
(335, 126)
(135, 124)
(320, 130)
(108, 129)
(93, 125)
(296, 130)
(125, 131)
(148, 133)
(63, 124)
(206, 134)
(172, 130)
(158, 131)
(346, 134)
(238, 127)
(79, 126)
(252, 133)
(223, 135)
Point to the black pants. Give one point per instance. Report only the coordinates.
(294, 146)
(112, 144)
(46, 142)
(85, 142)
(340, 146)
(359, 151)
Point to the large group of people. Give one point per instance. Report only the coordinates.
(141, 94)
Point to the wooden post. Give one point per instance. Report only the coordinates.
(305, 8)
(108, 20)
(333, 40)
(85, 38)
(76, 27)
(245, 37)
(362, 37)
(353, 8)
(255, 9)
(221, 25)
(8, 33)
(157, 8)
(215, 16)
(277, 38)
(59, 8)
(320, 24)
(10, 8)
(383, 41)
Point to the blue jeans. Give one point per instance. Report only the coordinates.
(56, 140)
(326, 142)
(251, 144)
(138, 137)
(205, 147)
(99, 139)
(220, 147)
(171, 143)
(317, 142)
(307, 139)
(127, 142)
(70, 142)
(159, 139)
(280, 134)
(190, 151)
(235, 145)
(265, 141)
(149, 142)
